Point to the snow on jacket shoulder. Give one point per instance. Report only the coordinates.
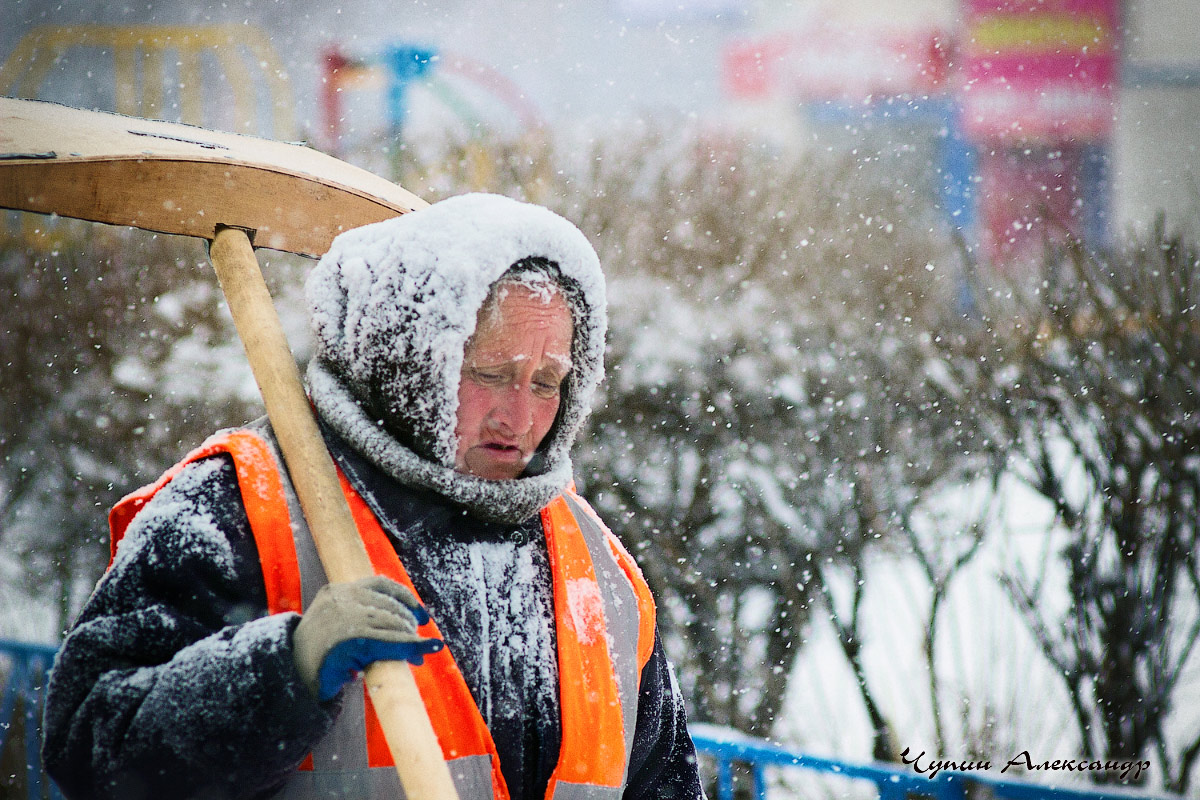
(172, 683)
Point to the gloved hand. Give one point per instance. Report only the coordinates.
(351, 625)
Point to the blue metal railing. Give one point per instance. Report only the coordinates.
(23, 669)
(728, 748)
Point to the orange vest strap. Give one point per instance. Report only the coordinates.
(453, 713)
(593, 736)
(266, 508)
(647, 612)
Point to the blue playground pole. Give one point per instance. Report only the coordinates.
(406, 64)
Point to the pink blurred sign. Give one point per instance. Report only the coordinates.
(1030, 195)
(1039, 70)
(823, 61)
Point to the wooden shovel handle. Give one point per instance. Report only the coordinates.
(423, 772)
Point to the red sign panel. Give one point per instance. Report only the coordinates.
(1030, 195)
(1040, 70)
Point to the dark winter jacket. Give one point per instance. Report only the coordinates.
(173, 683)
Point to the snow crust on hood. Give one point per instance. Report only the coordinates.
(393, 305)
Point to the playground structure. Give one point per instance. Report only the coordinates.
(401, 67)
(478, 98)
(229, 77)
(173, 73)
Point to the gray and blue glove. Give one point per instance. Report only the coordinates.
(351, 625)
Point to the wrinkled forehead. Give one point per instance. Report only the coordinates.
(537, 297)
(537, 285)
(518, 316)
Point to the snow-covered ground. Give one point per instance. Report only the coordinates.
(987, 664)
(996, 688)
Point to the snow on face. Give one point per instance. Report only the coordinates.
(512, 374)
(395, 302)
(394, 305)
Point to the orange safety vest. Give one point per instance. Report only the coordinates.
(604, 621)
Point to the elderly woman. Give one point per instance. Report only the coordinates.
(457, 352)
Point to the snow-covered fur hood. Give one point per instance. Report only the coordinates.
(393, 305)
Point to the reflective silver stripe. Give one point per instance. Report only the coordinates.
(472, 777)
(586, 791)
(312, 571)
(622, 615)
(377, 783)
(345, 746)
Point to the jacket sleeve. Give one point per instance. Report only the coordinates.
(663, 763)
(173, 681)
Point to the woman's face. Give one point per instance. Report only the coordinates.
(513, 370)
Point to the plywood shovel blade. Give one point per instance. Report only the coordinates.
(180, 179)
(183, 180)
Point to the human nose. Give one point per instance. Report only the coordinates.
(513, 411)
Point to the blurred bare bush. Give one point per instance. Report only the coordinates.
(1084, 376)
(118, 359)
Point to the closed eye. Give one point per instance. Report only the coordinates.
(546, 389)
(548, 383)
(489, 377)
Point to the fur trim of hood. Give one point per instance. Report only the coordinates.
(393, 305)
